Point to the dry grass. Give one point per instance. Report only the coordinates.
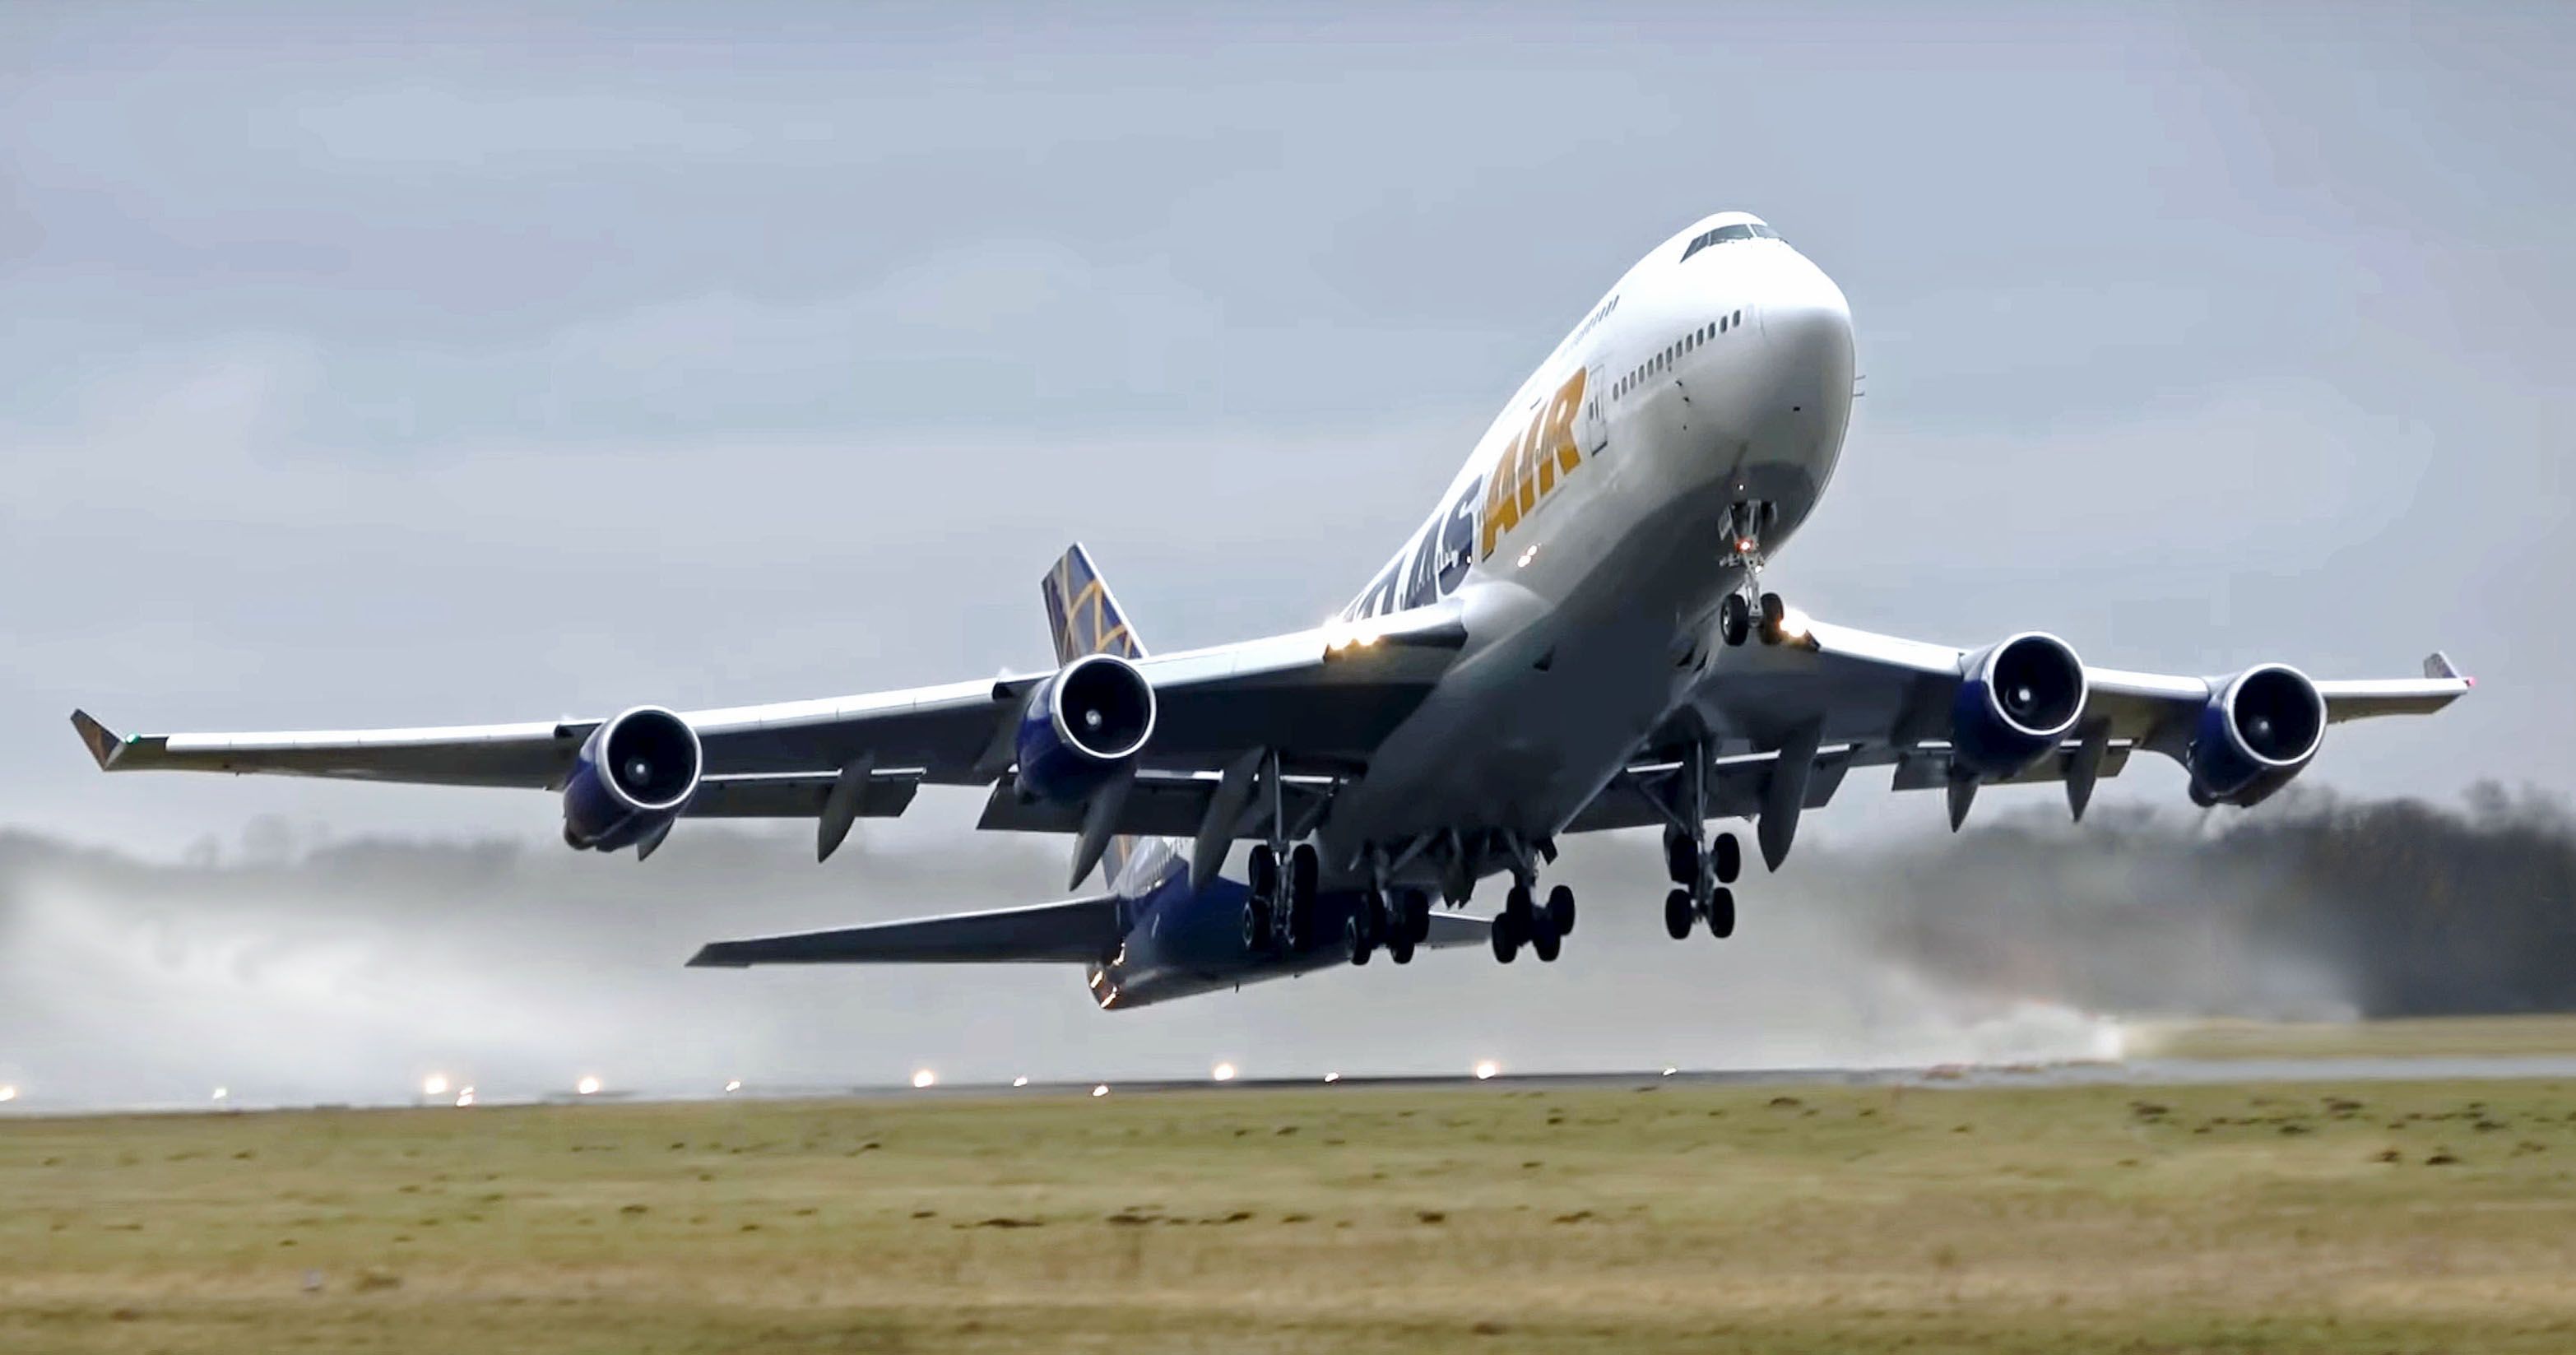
(1827, 1219)
(2407, 1038)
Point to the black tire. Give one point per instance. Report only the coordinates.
(1677, 914)
(1355, 940)
(1721, 913)
(1417, 917)
(1518, 906)
(1681, 857)
(1262, 872)
(1729, 852)
(1734, 620)
(1560, 911)
(1774, 611)
(1545, 945)
(1256, 925)
(1400, 950)
(1506, 945)
(1305, 867)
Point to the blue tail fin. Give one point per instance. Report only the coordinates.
(1082, 615)
(1084, 619)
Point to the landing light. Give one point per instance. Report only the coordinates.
(1487, 1069)
(924, 1077)
(1793, 624)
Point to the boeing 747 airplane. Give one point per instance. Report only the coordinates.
(1575, 639)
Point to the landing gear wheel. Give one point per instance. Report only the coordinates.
(1262, 872)
(1256, 925)
(1521, 912)
(1506, 945)
(1678, 914)
(1774, 611)
(1544, 942)
(1681, 857)
(1399, 948)
(1417, 918)
(1730, 858)
(1355, 939)
(1297, 920)
(1734, 620)
(1560, 913)
(1721, 913)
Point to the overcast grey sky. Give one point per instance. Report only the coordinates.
(472, 366)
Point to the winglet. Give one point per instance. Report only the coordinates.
(102, 741)
(2438, 665)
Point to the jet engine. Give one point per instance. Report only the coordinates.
(633, 777)
(2255, 734)
(1081, 726)
(2019, 700)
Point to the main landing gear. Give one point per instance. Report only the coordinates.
(1281, 910)
(1701, 876)
(1398, 919)
(1526, 922)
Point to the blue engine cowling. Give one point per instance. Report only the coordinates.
(2258, 731)
(1081, 725)
(635, 774)
(2018, 701)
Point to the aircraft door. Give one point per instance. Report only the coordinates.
(1592, 423)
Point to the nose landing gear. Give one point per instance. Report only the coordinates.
(1746, 521)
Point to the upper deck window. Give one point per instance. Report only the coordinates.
(1740, 230)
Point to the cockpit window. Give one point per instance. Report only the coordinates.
(1740, 230)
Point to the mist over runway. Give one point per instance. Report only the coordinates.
(303, 969)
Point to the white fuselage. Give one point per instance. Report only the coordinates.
(1593, 517)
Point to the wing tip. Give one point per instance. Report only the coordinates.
(718, 955)
(2438, 665)
(102, 742)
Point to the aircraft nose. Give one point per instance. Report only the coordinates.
(1804, 316)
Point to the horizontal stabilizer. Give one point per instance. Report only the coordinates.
(1075, 931)
(102, 741)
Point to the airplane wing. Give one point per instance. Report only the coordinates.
(1324, 698)
(1830, 698)
(1075, 931)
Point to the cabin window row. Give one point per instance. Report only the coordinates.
(1724, 324)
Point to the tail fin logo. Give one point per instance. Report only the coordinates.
(1082, 615)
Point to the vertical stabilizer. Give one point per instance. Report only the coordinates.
(1083, 618)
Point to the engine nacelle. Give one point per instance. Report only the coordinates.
(2018, 702)
(2260, 730)
(635, 774)
(1082, 724)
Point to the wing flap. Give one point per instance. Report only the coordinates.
(1074, 931)
(799, 795)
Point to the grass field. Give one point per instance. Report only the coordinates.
(2405, 1038)
(2374, 1217)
